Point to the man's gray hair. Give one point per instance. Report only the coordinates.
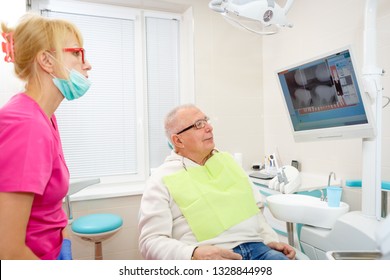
(171, 123)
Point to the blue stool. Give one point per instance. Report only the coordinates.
(96, 228)
(92, 227)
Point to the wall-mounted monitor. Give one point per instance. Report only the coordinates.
(324, 100)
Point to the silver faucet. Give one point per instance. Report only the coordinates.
(323, 198)
(330, 176)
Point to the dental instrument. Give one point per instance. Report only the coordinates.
(263, 17)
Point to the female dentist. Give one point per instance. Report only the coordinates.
(48, 56)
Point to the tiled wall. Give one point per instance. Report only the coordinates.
(121, 246)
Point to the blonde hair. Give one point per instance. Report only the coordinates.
(35, 34)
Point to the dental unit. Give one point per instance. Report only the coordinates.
(345, 233)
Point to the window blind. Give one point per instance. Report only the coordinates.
(135, 74)
(162, 60)
(99, 130)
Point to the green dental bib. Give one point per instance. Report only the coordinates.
(213, 197)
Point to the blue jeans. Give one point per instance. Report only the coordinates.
(258, 251)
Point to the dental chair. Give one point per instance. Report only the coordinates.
(93, 227)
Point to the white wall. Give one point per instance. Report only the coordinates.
(234, 71)
(228, 84)
(320, 26)
(228, 81)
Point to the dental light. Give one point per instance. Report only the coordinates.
(263, 17)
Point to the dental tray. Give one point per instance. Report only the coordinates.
(261, 175)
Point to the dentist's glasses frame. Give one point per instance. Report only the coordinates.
(197, 125)
(76, 50)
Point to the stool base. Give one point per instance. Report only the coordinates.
(98, 251)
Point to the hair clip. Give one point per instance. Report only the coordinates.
(8, 46)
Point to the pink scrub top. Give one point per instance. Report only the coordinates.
(32, 160)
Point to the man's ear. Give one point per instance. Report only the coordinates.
(46, 61)
(177, 141)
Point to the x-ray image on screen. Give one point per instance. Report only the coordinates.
(324, 93)
(319, 86)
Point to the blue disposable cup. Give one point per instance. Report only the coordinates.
(334, 196)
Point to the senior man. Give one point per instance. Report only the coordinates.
(200, 204)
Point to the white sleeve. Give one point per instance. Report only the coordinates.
(155, 226)
(259, 198)
(267, 233)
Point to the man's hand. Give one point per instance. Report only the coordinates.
(209, 252)
(284, 248)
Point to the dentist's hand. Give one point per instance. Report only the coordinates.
(209, 252)
(66, 250)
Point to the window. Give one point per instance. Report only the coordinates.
(162, 51)
(115, 132)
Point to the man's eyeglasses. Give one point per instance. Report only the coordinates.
(198, 125)
(76, 51)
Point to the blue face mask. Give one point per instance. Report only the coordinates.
(75, 87)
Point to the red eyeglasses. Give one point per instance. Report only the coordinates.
(76, 51)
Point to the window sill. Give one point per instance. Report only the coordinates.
(101, 191)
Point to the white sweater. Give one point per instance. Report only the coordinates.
(164, 231)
